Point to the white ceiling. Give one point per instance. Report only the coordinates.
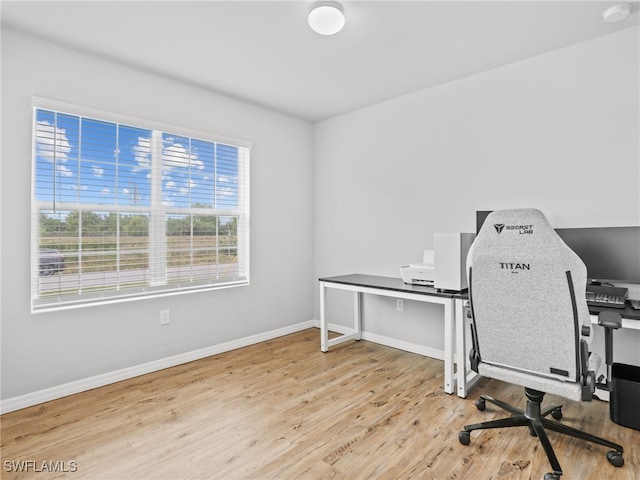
(264, 52)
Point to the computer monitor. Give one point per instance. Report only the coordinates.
(481, 216)
(611, 254)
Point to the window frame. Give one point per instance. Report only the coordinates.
(158, 283)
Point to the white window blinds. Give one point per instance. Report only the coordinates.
(125, 210)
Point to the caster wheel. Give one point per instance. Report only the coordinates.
(551, 476)
(615, 458)
(557, 414)
(481, 404)
(464, 437)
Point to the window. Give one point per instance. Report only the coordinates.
(125, 209)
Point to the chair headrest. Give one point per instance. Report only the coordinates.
(528, 224)
(522, 235)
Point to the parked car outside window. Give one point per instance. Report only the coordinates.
(51, 261)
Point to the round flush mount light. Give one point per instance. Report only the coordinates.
(326, 17)
(616, 13)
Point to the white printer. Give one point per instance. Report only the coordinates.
(420, 273)
(444, 267)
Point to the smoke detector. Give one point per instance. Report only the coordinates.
(616, 13)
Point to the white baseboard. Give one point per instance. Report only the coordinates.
(77, 386)
(389, 342)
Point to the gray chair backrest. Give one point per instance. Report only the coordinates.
(527, 292)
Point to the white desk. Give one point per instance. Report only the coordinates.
(396, 288)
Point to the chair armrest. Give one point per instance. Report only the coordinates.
(474, 357)
(588, 376)
(584, 358)
(610, 319)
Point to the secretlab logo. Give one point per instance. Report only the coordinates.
(521, 229)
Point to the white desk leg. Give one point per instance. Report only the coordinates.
(357, 314)
(324, 330)
(461, 348)
(448, 347)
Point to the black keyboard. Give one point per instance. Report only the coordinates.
(604, 300)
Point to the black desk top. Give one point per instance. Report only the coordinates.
(389, 283)
(397, 285)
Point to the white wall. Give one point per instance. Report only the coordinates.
(46, 350)
(558, 132)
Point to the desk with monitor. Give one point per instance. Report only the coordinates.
(608, 252)
(458, 375)
(612, 257)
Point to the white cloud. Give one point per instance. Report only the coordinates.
(225, 179)
(63, 171)
(97, 171)
(225, 191)
(142, 152)
(178, 156)
(51, 142)
(174, 155)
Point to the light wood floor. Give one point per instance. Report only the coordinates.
(284, 410)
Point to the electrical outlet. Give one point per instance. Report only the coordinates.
(165, 319)
(399, 305)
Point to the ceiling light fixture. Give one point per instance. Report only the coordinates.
(326, 17)
(616, 13)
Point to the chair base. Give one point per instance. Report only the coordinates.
(534, 418)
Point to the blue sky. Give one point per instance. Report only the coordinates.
(102, 163)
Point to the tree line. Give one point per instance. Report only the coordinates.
(97, 225)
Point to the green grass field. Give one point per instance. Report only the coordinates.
(100, 254)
